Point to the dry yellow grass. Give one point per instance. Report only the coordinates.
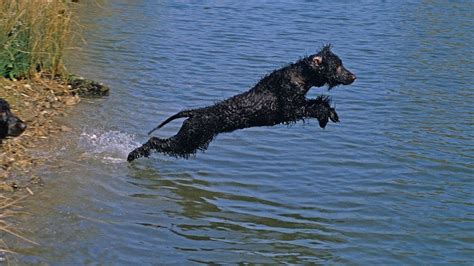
(6, 205)
(33, 36)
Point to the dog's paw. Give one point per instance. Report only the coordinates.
(132, 156)
(329, 114)
(323, 122)
(137, 153)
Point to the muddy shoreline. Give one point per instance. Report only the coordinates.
(39, 102)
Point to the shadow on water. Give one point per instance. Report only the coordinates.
(391, 184)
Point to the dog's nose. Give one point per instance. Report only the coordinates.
(349, 79)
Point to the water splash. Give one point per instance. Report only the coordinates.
(110, 146)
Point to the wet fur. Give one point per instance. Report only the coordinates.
(279, 97)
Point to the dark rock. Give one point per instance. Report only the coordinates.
(88, 88)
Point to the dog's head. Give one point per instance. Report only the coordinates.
(327, 69)
(10, 125)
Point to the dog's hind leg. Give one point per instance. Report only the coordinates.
(193, 135)
(145, 149)
(171, 146)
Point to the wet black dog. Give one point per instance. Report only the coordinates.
(10, 125)
(277, 98)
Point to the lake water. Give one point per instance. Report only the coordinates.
(393, 183)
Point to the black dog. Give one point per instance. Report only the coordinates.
(10, 125)
(277, 98)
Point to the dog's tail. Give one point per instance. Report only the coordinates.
(171, 118)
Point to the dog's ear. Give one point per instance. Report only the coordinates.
(317, 60)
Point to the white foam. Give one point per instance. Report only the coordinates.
(110, 146)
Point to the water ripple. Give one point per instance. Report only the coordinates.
(390, 184)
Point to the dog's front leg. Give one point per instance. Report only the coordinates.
(195, 134)
(320, 108)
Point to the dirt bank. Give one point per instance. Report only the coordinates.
(39, 102)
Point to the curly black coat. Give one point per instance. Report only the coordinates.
(279, 97)
(10, 125)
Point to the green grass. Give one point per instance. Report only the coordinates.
(33, 37)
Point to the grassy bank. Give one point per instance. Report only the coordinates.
(33, 36)
(33, 79)
(38, 102)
